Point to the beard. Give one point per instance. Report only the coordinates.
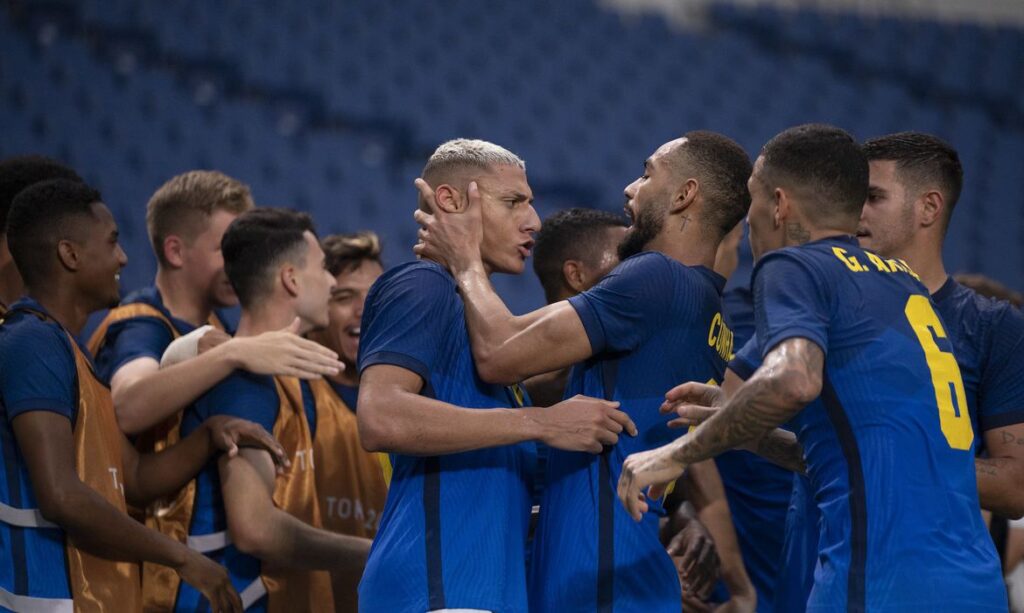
(648, 225)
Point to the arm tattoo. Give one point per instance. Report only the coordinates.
(788, 380)
(781, 448)
(988, 466)
(796, 233)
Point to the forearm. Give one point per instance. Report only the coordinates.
(95, 526)
(162, 473)
(411, 424)
(717, 519)
(146, 401)
(1001, 485)
(781, 448)
(490, 323)
(756, 408)
(299, 545)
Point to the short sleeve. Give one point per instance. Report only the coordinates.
(130, 339)
(1001, 396)
(37, 370)
(790, 301)
(747, 360)
(244, 395)
(629, 305)
(406, 318)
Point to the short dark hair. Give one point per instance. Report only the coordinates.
(42, 215)
(823, 162)
(921, 159)
(257, 241)
(345, 252)
(722, 166)
(571, 234)
(19, 172)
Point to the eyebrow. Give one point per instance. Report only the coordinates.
(518, 196)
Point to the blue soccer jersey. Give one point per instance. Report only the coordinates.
(137, 337)
(988, 339)
(247, 396)
(889, 445)
(757, 490)
(453, 532)
(37, 373)
(652, 323)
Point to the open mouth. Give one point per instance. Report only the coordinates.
(353, 332)
(525, 249)
(117, 277)
(862, 233)
(629, 214)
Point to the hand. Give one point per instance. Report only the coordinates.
(230, 433)
(211, 579)
(210, 339)
(451, 239)
(693, 403)
(696, 559)
(694, 604)
(583, 424)
(655, 468)
(285, 353)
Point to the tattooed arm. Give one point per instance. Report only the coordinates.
(789, 379)
(694, 403)
(1001, 474)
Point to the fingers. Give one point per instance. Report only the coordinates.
(426, 194)
(656, 491)
(693, 393)
(474, 194)
(690, 415)
(229, 444)
(624, 420)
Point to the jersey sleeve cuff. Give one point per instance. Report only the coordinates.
(1002, 420)
(591, 322)
(744, 369)
(51, 405)
(795, 332)
(396, 359)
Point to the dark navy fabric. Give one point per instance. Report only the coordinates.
(37, 373)
(880, 445)
(454, 528)
(652, 323)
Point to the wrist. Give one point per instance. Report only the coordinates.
(231, 352)
(531, 423)
(179, 556)
(468, 269)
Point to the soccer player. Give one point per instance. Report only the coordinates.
(68, 471)
(915, 181)
(186, 219)
(655, 317)
(16, 174)
(272, 544)
(454, 530)
(830, 317)
(350, 480)
(575, 249)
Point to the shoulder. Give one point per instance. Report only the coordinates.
(808, 259)
(240, 388)
(646, 263)
(23, 335)
(420, 280)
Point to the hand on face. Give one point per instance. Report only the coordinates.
(451, 239)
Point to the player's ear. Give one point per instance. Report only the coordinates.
(574, 275)
(289, 279)
(67, 251)
(685, 196)
(930, 207)
(450, 199)
(173, 247)
(781, 207)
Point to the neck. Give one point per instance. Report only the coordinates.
(267, 317)
(64, 304)
(924, 256)
(11, 285)
(181, 299)
(688, 246)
